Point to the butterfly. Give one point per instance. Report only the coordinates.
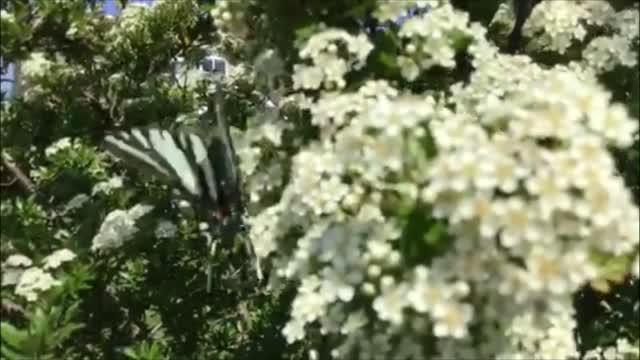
(203, 168)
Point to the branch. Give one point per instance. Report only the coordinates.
(11, 309)
(23, 179)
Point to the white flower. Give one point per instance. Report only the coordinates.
(328, 67)
(329, 196)
(559, 121)
(384, 152)
(108, 186)
(425, 296)
(166, 230)
(36, 65)
(557, 23)
(516, 157)
(453, 320)
(335, 286)
(17, 260)
(57, 258)
(379, 249)
(57, 146)
(625, 348)
(602, 202)
(616, 125)
(626, 22)
(559, 342)
(249, 158)
(354, 321)
(307, 77)
(293, 331)
(503, 172)
(12, 268)
(429, 37)
(272, 132)
(408, 68)
(559, 274)
(391, 303)
(519, 220)
(6, 16)
(118, 227)
(34, 280)
(604, 53)
(308, 307)
(264, 228)
(552, 192)
(479, 206)
(10, 275)
(334, 69)
(593, 354)
(590, 150)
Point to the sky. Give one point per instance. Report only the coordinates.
(111, 6)
(6, 85)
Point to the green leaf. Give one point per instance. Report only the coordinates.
(611, 269)
(11, 335)
(435, 234)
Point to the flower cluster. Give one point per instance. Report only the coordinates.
(229, 16)
(347, 252)
(36, 65)
(529, 167)
(57, 258)
(129, 22)
(554, 25)
(333, 53)
(557, 25)
(522, 175)
(107, 187)
(118, 227)
(431, 39)
(603, 53)
(622, 350)
(31, 280)
(165, 229)
(259, 149)
(59, 145)
(6, 16)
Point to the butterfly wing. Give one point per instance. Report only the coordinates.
(181, 158)
(134, 148)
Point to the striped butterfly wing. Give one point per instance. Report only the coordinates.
(179, 158)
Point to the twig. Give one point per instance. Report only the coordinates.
(10, 308)
(8, 183)
(26, 183)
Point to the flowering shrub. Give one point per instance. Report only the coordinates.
(515, 163)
